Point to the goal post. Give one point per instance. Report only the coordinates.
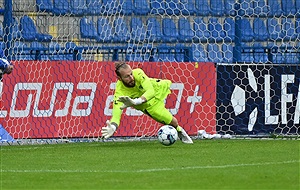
(234, 66)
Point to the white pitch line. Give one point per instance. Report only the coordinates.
(150, 170)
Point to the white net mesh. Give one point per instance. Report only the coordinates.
(62, 51)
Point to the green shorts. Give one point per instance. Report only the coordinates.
(159, 113)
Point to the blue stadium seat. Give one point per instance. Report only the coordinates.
(154, 31)
(44, 5)
(214, 53)
(217, 7)
(227, 50)
(61, 7)
(290, 55)
(259, 55)
(37, 46)
(104, 30)
(260, 30)
(15, 29)
(288, 29)
(185, 30)
(247, 8)
(169, 30)
(78, 7)
(288, 7)
(157, 7)
(20, 51)
(187, 7)
(93, 7)
(246, 30)
(216, 30)
(275, 8)
(137, 29)
(202, 7)
(136, 52)
(70, 47)
(229, 7)
(55, 51)
(247, 54)
(180, 54)
(87, 29)
(261, 8)
(166, 53)
(297, 3)
(1, 31)
(297, 26)
(141, 7)
(201, 31)
(274, 29)
(29, 31)
(199, 53)
(110, 7)
(229, 29)
(121, 30)
(172, 7)
(126, 7)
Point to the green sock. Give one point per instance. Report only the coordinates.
(178, 128)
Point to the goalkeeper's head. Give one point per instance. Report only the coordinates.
(6, 66)
(124, 73)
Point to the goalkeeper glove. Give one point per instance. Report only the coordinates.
(128, 102)
(109, 130)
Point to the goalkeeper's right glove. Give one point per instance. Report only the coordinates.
(109, 130)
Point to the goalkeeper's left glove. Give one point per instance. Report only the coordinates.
(128, 102)
(109, 130)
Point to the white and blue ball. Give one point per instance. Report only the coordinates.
(167, 135)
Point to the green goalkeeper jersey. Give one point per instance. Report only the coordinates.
(152, 89)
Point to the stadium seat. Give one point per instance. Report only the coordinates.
(274, 29)
(172, 7)
(29, 31)
(104, 30)
(202, 7)
(165, 53)
(259, 55)
(290, 55)
(214, 53)
(201, 31)
(126, 7)
(227, 50)
(275, 8)
(15, 29)
(55, 51)
(216, 30)
(20, 51)
(44, 5)
(185, 30)
(141, 7)
(61, 7)
(229, 29)
(260, 30)
(110, 7)
(157, 7)
(154, 31)
(246, 30)
(247, 8)
(260, 8)
(187, 7)
(297, 26)
(199, 53)
(229, 7)
(121, 30)
(93, 7)
(87, 29)
(288, 7)
(136, 52)
(38, 51)
(70, 47)
(1, 31)
(288, 29)
(169, 30)
(246, 54)
(297, 3)
(78, 7)
(137, 29)
(217, 7)
(181, 54)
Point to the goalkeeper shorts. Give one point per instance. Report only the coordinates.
(159, 113)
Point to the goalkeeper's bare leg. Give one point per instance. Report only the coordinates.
(183, 136)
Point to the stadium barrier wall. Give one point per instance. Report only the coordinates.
(52, 99)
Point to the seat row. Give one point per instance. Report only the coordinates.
(170, 7)
(184, 30)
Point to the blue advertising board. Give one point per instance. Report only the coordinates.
(254, 99)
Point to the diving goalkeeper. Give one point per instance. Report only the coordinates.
(135, 89)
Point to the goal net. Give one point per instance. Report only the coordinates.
(233, 63)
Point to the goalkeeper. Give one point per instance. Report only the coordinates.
(135, 89)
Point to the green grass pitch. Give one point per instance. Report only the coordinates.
(206, 164)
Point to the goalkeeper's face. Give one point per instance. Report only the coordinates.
(126, 76)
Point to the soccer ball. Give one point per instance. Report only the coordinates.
(167, 135)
